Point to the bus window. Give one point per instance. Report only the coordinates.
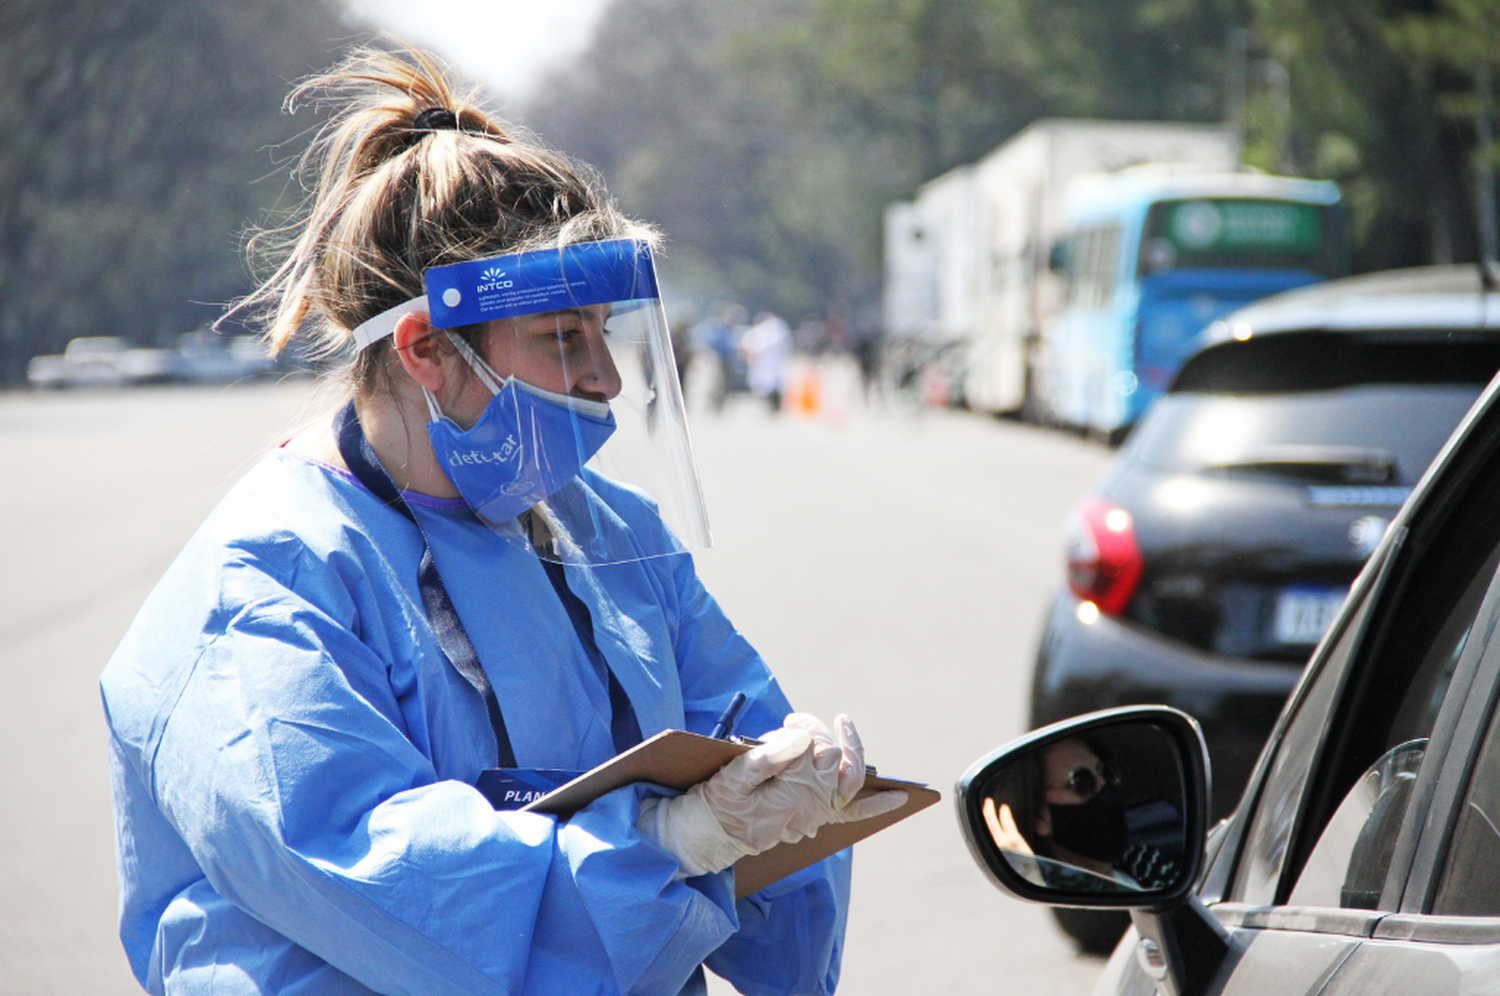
(1241, 233)
(1094, 255)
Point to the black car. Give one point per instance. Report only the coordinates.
(1364, 854)
(1209, 561)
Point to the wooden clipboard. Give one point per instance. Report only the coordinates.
(679, 760)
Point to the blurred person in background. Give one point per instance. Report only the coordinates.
(682, 350)
(810, 338)
(717, 335)
(428, 595)
(766, 346)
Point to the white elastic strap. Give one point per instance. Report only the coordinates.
(598, 409)
(476, 363)
(434, 413)
(493, 381)
(383, 324)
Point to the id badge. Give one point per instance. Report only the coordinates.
(512, 788)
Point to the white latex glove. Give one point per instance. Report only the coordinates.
(843, 759)
(779, 792)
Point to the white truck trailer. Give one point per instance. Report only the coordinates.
(931, 278)
(967, 283)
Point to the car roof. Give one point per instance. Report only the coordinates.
(1429, 303)
(1425, 297)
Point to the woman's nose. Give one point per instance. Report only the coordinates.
(601, 379)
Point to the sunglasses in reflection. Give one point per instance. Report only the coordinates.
(1083, 781)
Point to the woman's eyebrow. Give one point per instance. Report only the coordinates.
(579, 313)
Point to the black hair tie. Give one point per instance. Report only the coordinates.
(436, 119)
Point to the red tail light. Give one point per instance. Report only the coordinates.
(1104, 562)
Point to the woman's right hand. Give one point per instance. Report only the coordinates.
(1003, 828)
(799, 779)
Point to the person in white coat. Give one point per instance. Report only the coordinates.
(767, 346)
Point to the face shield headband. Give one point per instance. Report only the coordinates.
(606, 483)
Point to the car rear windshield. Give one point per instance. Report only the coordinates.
(1340, 407)
(1398, 428)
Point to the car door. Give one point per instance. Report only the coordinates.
(1276, 945)
(1445, 935)
(1333, 863)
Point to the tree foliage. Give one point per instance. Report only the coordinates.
(1367, 111)
(767, 135)
(135, 134)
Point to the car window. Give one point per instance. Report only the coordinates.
(1304, 361)
(1372, 434)
(1268, 838)
(1399, 671)
(1424, 697)
(1470, 877)
(1348, 866)
(1388, 716)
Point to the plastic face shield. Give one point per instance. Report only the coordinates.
(583, 319)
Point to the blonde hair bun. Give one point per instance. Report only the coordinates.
(408, 173)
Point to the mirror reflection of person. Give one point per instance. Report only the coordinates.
(1065, 805)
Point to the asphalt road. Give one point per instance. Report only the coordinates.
(890, 564)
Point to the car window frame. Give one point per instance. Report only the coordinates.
(1430, 814)
(1433, 801)
(1432, 822)
(1384, 583)
(1328, 671)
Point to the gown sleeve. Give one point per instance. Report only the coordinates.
(791, 934)
(274, 748)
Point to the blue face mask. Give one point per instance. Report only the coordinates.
(526, 445)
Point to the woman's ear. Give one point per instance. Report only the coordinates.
(425, 359)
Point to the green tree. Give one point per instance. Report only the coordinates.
(1365, 112)
(767, 136)
(134, 136)
(685, 137)
(1448, 48)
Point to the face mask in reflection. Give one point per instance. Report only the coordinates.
(526, 445)
(1093, 829)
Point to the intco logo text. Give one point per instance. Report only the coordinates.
(493, 280)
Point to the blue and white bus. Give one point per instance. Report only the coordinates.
(1154, 254)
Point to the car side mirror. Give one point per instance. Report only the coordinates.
(1108, 810)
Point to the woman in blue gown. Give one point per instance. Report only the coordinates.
(375, 616)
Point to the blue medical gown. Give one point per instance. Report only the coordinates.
(293, 762)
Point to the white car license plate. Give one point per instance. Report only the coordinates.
(1303, 615)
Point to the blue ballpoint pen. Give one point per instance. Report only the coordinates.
(727, 718)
